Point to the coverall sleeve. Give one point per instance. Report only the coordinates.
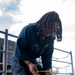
(47, 57)
(22, 43)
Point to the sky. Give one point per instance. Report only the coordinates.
(15, 14)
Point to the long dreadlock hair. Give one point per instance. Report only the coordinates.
(47, 21)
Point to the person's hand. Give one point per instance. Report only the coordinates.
(48, 73)
(33, 69)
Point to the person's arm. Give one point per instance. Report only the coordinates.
(27, 62)
(32, 67)
(22, 42)
(47, 57)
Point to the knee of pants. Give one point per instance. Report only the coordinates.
(16, 68)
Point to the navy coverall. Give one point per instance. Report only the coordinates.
(30, 46)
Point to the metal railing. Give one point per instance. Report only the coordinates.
(5, 51)
(69, 63)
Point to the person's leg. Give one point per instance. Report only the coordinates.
(16, 68)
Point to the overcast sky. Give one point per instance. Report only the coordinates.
(15, 14)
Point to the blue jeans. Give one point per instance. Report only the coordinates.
(16, 68)
(20, 69)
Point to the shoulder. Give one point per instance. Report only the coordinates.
(28, 29)
(30, 25)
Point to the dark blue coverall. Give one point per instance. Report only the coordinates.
(30, 46)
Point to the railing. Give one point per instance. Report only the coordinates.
(70, 63)
(5, 52)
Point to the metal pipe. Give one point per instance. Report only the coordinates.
(62, 61)
(9, 34)
(5, 54)
(72, 63)
(2, 51)
(62, 50)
